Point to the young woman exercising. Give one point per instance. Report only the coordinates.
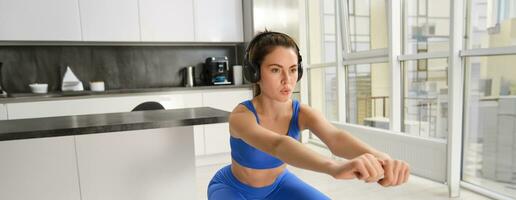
(265, 133)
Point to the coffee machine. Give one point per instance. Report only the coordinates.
(216, 71)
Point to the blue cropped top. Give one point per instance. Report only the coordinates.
(250, 157)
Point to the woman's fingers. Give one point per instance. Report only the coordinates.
(396, 172)
(368, 168)
(407, 174)
(362, 170)
(403, 173)
(374, 167)
(388, 173)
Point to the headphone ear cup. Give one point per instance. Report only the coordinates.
(299, 67)
(299, 72)
(250, 72)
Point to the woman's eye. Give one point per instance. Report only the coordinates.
(275, 70)
(293, 70)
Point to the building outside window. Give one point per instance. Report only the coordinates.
(322, 74)
(489, 149)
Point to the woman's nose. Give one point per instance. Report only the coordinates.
(286, 77)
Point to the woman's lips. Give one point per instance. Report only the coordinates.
(286, 91)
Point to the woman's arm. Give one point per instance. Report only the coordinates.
(242, 124)
(343, 144)
(339, 142)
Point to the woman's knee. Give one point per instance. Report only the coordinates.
(295, 188)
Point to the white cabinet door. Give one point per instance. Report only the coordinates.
(3, 112)
(226, 99)
(43, 168)
(98, 105)
(167, 20)
(109, 20)
(54, 20)
(147, 164)
(218, 21)
(199, 140)
(217, 138)
(217, 135)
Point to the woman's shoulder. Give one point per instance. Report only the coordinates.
(305, 109)
(240, 115)
(307, 114)
(240, 109)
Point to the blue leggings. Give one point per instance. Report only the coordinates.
(224, 185)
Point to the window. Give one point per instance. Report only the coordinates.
(368, 95)
(322, 32)
(323, 91)
(491, 23)
(322, 73)
(367, 24)
(425, 97)
(490, 123)
(426, 26)
(367, 76)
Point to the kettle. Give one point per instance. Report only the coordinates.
(189, 76)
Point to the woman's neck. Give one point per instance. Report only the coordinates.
(272, 108)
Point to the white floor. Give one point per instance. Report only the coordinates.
(415, 188)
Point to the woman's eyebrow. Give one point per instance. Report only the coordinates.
(274, 65)
(278, 65)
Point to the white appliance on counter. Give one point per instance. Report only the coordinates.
(70, 82)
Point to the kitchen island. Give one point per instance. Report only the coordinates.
(132, 155)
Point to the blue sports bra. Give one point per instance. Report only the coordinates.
(250, 157)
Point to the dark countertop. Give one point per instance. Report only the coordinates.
(111, 122)
(53, 96)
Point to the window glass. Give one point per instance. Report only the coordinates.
(322, 31)
(490, 124)
(367, 25)
(323, 91)
(426, 26)
(490, 23)
(367, 95)
(425, 98)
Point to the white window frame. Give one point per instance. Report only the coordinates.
(456, 55)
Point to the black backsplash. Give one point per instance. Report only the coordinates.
(120, 67)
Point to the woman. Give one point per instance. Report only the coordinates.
(265, 133)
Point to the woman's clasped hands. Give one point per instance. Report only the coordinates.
(383, 170)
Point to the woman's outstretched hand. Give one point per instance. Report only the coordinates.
(365, 167)
(397, 172)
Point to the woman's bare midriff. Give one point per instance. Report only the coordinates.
(256, 177)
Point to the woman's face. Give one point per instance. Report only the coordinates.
(279, 74)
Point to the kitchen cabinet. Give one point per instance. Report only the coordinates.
(109, 20)
(217, 135)
(199, 140)
(208, 139)
(218, 21)
(167, 20)
(98, 105)
(43, 168)
(144, 164)
(122, 20)
(3, 112)
(36, 20)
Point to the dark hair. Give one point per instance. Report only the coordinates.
(263, 44)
